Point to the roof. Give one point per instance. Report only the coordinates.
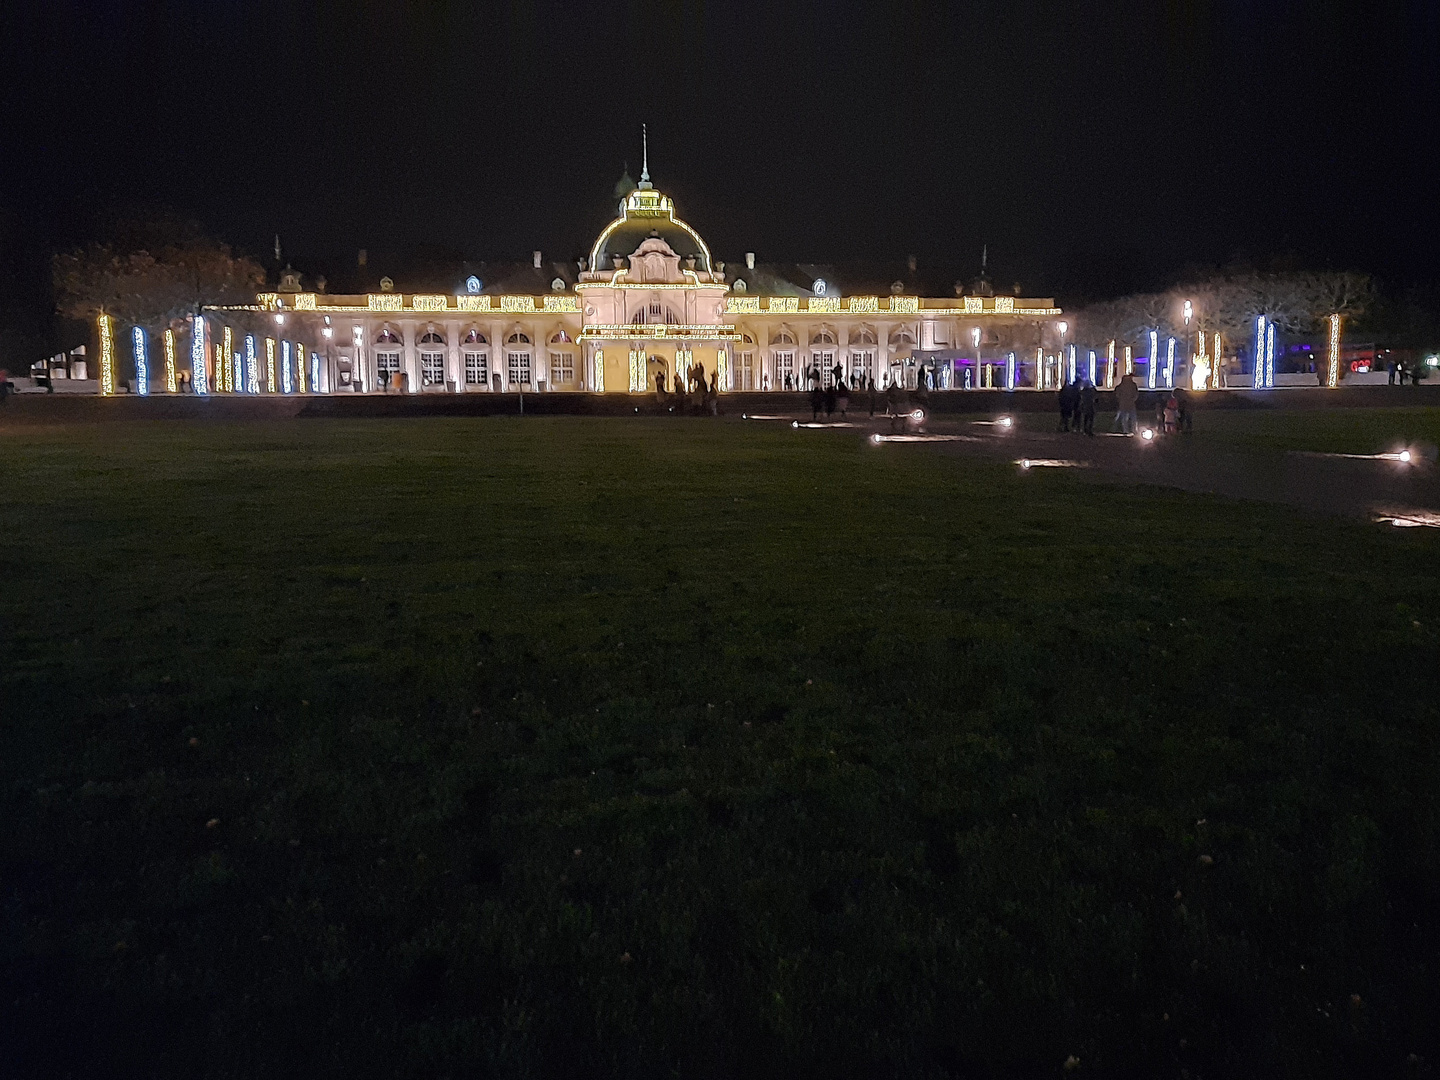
(646, 213)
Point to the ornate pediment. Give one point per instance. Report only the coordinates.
(654, 262)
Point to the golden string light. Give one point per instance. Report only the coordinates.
(107, 354)
(1333, 368)
(270, 365)
(170, 378)
(228, 382)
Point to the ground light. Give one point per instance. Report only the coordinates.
(1147, 434)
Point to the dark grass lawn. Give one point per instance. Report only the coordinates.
(681, 748)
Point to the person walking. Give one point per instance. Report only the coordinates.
(895, 405)
(830, 399)
(1126, 396)
(870, 381)
(817, 401)
(1087, 407)
(1184, 409)
(1172, 414)
(842, 397)
(1069, 398)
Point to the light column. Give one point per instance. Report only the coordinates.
(225, 370)
(199, 382)
(1154, 360)
(270, 365)
(105, 326)
(1332, 375)
(1170, 365)
(252, 376)
(170, 376)
(140, 346)
(1110, 365)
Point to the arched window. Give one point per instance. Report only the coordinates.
(902, 335)
(783, 337)
(862, 355)
(823, 336)
(477, 359)
(671, 318)
(562, 361)
(822, 357)
(518, 358)
(432, 357)
(387, 356)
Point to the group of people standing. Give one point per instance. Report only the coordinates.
(1077, 407)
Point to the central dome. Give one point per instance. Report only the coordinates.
(646, 214)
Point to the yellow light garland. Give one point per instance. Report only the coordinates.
(170, 377)
(1333, 374)
(270, 365)
(107, 355)
(227, 383)
(599, 380)
(428, 303)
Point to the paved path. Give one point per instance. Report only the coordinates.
(1329, 484)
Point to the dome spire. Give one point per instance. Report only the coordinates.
(645, 184)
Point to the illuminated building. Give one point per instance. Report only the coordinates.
(650, 300)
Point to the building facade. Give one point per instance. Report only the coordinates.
(648, 307)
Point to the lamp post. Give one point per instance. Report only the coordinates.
(328, 332)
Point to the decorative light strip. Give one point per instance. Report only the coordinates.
(860, 304)
(1215, 371)
(314, 371)
(825, 304)
(228, 382)
(1004, 305)
(1070, 366)
(285, 383)
(300, 366)
(385, 302)
(1154, 361)
(1270, 356)
(659, 332)
(517, 303)
(742, 305)
(1170, 365)
(199, 383)
(562, 303)
(106, 332)
(252, 373)
(722, 365)
(139, 345)
(472, 303)
(427, 303)
(1110, 365)
(907, 305)
(270, 365)
(784, 304)
(170, 377)
(1257, 380)
(305, 301)
(598, 382)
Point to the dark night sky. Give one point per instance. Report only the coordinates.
(1094, 147)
